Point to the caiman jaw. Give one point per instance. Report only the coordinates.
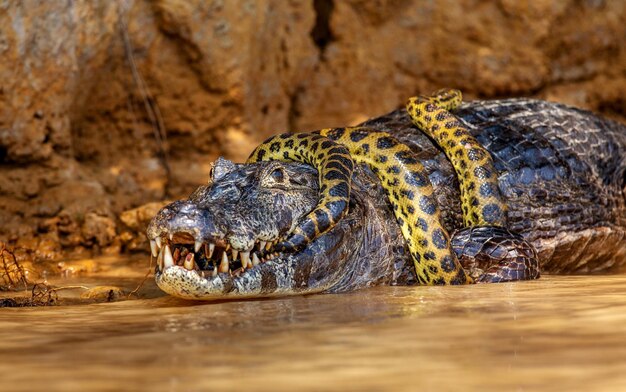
(210, 258)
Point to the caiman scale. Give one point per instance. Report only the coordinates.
(548, 186)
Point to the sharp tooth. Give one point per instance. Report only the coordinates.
(189, 263)
(255, 260)
(197, 246)
(158, 242)
(224, 264)
(268, 246)
(168, 260)
(160, 260)
(227, 247)
(245, 260)
(214, 273)
(262, 245)
(235, 254)
(210, 252)
(171, 236)
(153, 248)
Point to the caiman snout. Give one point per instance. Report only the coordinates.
(185, 234)
(184, 217)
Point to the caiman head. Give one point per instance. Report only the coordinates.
(218, 242)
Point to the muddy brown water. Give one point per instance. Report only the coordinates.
(555, 334)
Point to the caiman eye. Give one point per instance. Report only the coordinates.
(275, 176)
(278, 175)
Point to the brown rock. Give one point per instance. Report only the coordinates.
(98, 229)
(138, 218)
(136, 222)
(103, 294)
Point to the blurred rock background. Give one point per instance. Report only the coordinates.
(107, 105)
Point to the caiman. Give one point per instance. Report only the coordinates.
(440, 192)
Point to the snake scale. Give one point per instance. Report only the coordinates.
(335, 167)
(404, 179)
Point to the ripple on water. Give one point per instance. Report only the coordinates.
(558, 333)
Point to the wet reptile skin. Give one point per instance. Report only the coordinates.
(561, 172)
(481, 200)
(411, 196)
(408, 189)
(334, 165)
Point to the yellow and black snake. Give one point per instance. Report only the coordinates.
(481, 200)
(403, 178)
(335, 167)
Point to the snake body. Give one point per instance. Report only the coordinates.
(335, 167)
(404, 179)
(481, 200)
(411, 195)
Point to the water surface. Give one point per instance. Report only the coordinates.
(555, 334)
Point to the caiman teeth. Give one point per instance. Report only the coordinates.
(224, 267)
(160, 260)
(245, 260)
(171, 254)
(154, 248)
(189, 261)
(168, 260)
(270, 256)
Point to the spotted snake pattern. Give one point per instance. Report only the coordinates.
(335, 167)
(404, 179)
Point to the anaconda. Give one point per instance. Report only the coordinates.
(560, 172)
(410, 192)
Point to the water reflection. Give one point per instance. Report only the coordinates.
(559, 333)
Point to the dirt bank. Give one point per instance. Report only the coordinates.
(105, 106)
